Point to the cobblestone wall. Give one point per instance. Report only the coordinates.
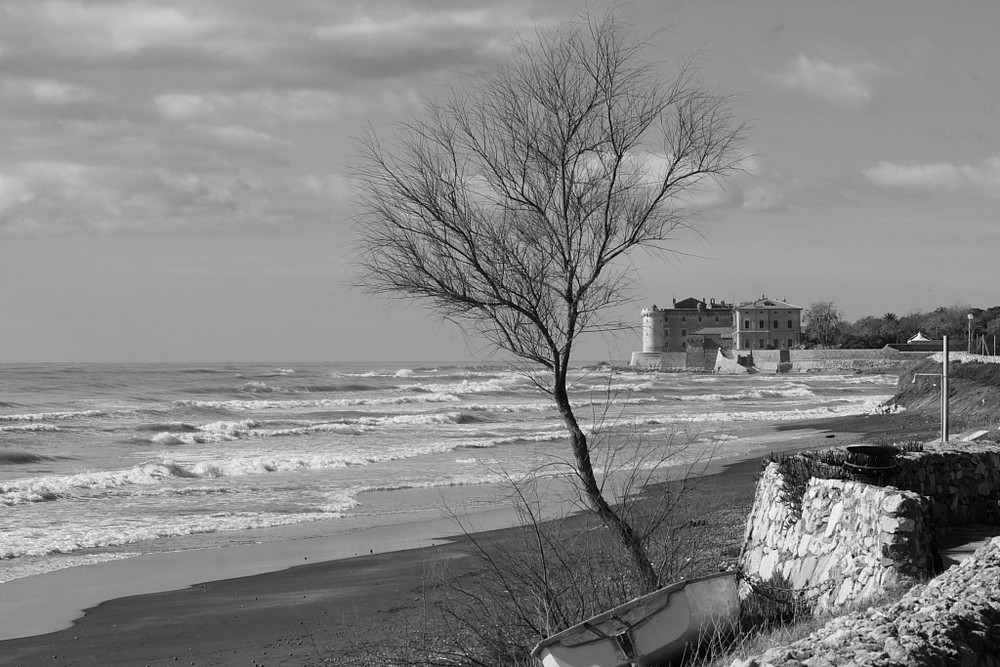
(952, 621)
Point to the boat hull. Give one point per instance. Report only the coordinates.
(648, 630)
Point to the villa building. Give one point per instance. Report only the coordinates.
(766, 324)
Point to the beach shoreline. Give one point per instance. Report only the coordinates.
(51, 601)
(217, 613)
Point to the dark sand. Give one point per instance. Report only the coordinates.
(302, 615)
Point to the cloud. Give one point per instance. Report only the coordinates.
(845, 85)
(390, 24)
(757, 198)
(62, 197)
(45, 90)
(154, 115)
(983, 178)
(116, 26)
(181, 106)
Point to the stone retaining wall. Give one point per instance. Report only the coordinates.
(850, 541)
(952, 621)
(960, 480)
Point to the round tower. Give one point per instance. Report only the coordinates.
(653, 339)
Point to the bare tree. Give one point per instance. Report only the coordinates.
(511, 207)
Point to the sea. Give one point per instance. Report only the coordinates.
(108, 461)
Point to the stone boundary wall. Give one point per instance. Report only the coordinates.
(814, 361)
(771, 361)
(961, 481)
(851, 541)
(668, 361)
(953, 620)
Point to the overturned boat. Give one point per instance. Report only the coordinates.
(649, 630)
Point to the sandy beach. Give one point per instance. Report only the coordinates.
(273, 604)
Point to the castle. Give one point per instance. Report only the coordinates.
(689, 334)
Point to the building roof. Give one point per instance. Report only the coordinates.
(692, 303)
(767, 302)
(713, 331)
(689, 303)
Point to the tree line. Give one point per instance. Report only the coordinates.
(824, 325)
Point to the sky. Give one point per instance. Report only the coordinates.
(174, 176)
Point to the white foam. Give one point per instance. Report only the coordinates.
(508, 383)
(50, 416)
(262, 405)
(798, 391)
(865, 406)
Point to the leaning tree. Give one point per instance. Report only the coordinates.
(511, 207)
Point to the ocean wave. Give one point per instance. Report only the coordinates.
(797, 391)
(616, 387)
(28, 428)
(52, 416)
(225, 431)
(20, 542)
(183, 427)
(53, 487)
(20, 458)
(423, 419)
(258, 387)
(496, 385)
(255, 405)
(537, 437)
(867, 406)
(510, 407)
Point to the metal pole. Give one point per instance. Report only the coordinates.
(944, 390)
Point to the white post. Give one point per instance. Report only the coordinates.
(944, 390)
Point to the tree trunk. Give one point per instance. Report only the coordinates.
(634, 545)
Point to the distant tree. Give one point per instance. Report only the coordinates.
(823, 323)
(949, 321)
(866, 333)
(511, 208)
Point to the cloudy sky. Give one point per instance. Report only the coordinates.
(173, 174)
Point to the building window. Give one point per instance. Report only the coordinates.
(684, 318)
(760, 324)
(790, 343)
(684, 345)
(789, 324)
(684, 332)
(746, 324)
(776, 324)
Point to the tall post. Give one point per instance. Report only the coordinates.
(944, 390)
(969, 317)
